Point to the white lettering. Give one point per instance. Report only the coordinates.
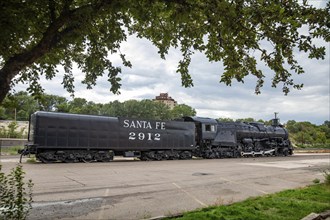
(139, 124)
(144, 124)
(148, 126)
(141, 136)
(157, 137)
(132, 125)
(144, 136)
(126, 123)
(131, 136)
(160, 125)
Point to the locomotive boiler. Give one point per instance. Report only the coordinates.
(235, 139)
(85, 138)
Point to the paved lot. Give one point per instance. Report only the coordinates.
(128, 189)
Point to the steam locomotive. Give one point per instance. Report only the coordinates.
(85, 138)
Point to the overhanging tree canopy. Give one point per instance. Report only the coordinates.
(38, 35)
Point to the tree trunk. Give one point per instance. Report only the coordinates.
(18, 62)
(6, 76)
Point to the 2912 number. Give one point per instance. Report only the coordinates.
(144, 136)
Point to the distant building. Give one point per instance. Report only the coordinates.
(166, 99)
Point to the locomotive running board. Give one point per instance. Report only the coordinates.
(262, 153)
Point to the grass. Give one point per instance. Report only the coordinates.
(32, 159)
(11, 150)
(285, 205)
(326, 174)
(311, 146)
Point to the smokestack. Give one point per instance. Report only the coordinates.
(276, 121)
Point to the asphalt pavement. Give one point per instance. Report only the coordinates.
(132, 189)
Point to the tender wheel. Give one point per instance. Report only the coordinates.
(70, 158)
(87, 158)
(46, 157)
(44, 160)
(185, 155)
(158, 156)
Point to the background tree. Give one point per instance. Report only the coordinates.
(307, 134)
(112, 109)
(326, 129)
(182, 110)
(37, 36)
(161, 111)
(2, 113)
(19, 106)
(24, 105)
(245, 120)
(51, 102)
(225, 119)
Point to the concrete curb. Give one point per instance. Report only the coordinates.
(321, 216)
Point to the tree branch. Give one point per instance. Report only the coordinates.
(19, 62)
(51, 6)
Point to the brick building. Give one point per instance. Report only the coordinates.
(166, 99)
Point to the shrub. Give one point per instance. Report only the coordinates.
(11, 131)
(326, 175)
(15, 198)
(316, 181)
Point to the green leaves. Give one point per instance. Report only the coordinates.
(307, 134)
(36, 37)
(15, 198)
(24, 105)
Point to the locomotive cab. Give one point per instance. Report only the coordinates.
(205, 128)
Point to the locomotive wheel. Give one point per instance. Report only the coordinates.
(236, 154)
(144, 157)
(109, 157)
(151, 155)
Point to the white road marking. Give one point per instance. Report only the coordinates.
(190, 195)
(293, 164)
(106, 194)
(11, 160)
(64, 203)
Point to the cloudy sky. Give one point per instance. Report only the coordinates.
(150, 75)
